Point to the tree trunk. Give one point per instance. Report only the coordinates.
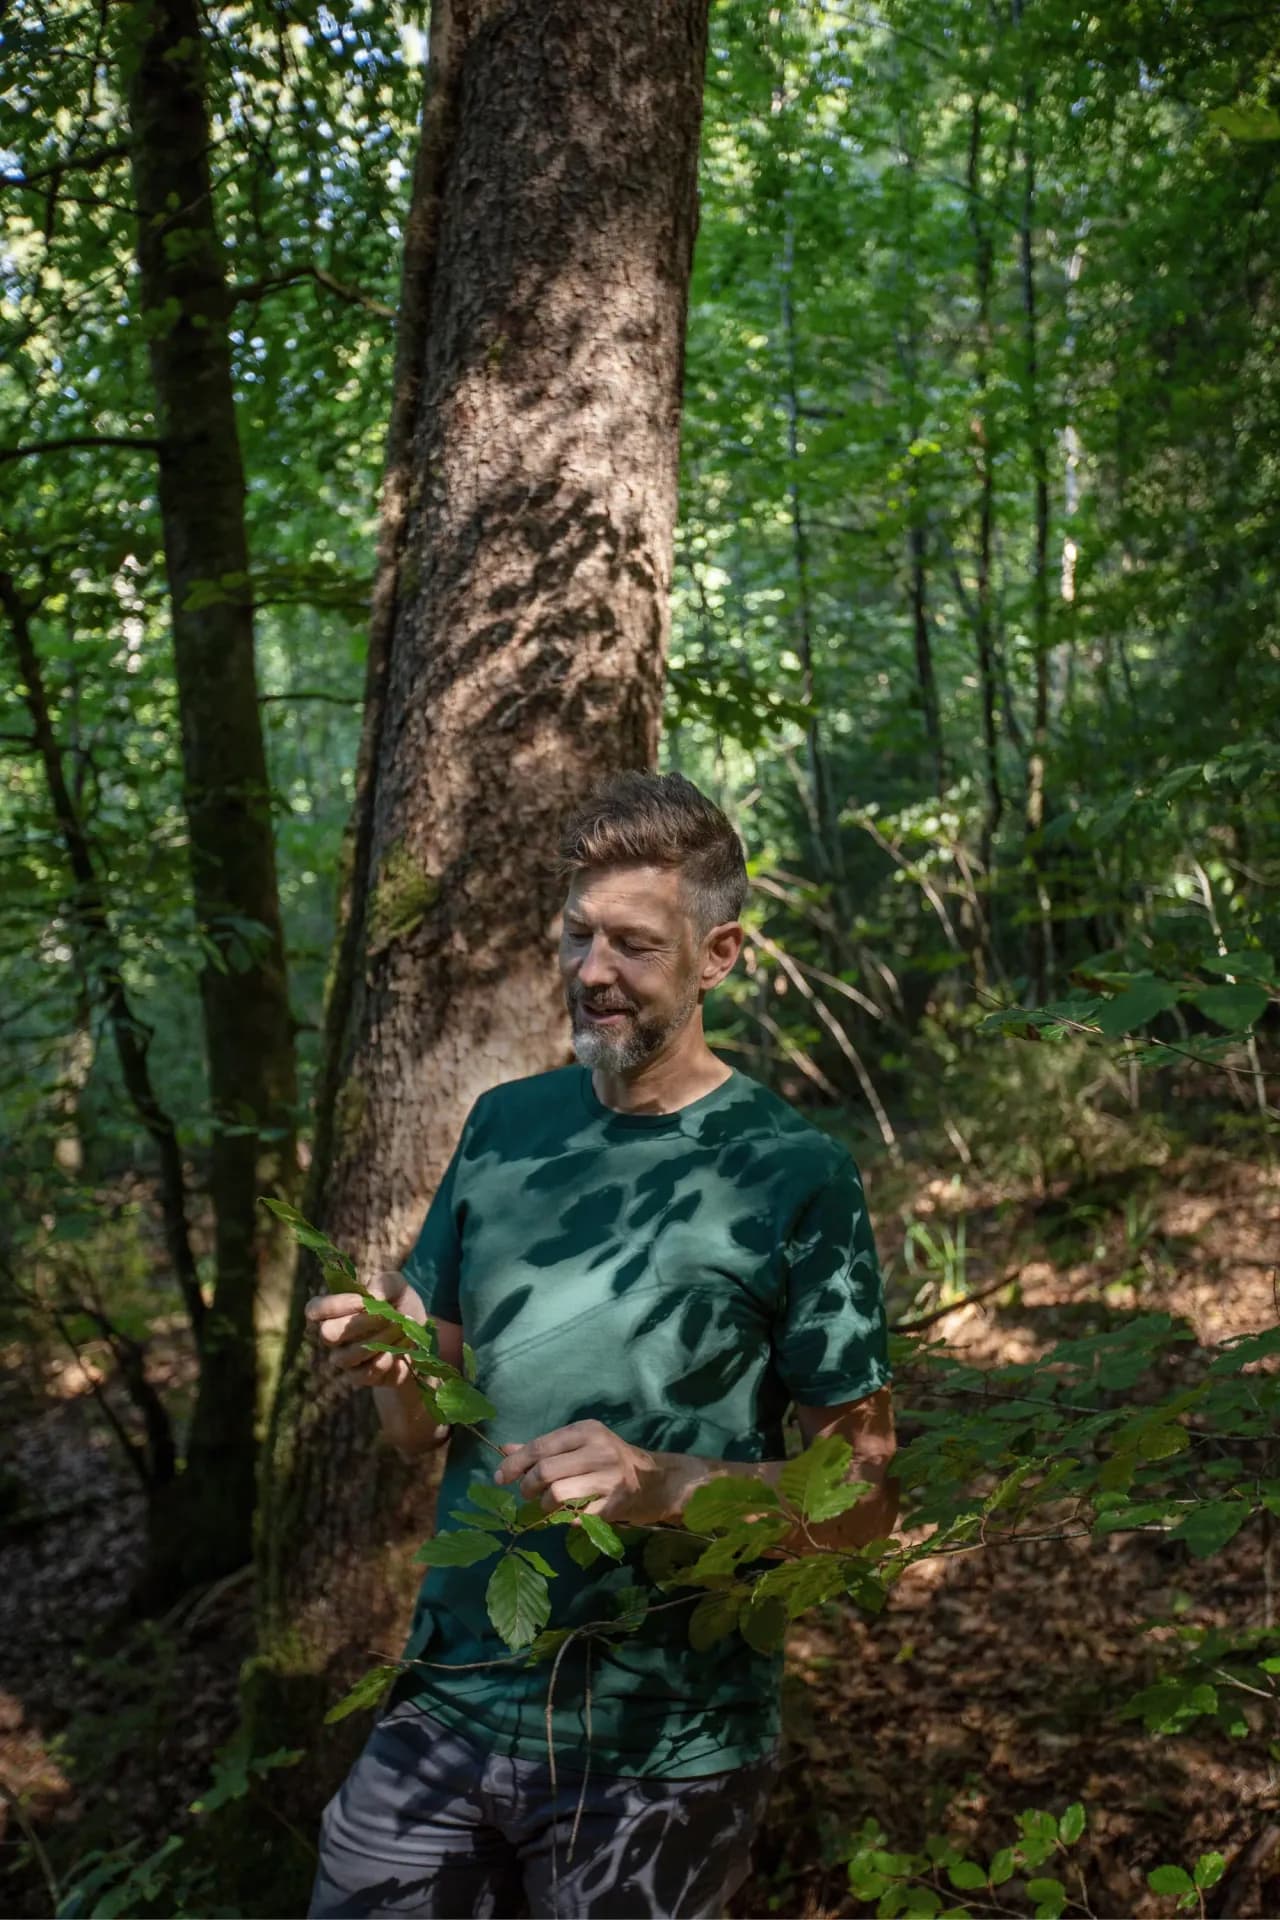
(526, 620)
(1040, 922)
(99, 959)
(247, 1026)
(982, 427)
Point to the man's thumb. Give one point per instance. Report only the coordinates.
(387, 1285)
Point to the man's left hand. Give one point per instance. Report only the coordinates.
(588, 1461)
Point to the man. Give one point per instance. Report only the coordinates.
(653, 1257)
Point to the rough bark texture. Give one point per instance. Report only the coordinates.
(525, 661)
(247, 1025)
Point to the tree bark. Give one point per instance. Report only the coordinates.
(523, 609)
(982, 427)
(1040, 923)
(247, 1025)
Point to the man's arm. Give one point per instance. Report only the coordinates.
(626, 1484)
(342, 1325)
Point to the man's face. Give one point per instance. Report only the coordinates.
(630, 964)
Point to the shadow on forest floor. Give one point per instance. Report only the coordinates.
(991, 1682)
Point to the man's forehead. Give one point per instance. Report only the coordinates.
(651, 892)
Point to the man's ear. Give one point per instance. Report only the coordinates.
(720, 951)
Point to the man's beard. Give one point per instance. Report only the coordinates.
(622, 1048)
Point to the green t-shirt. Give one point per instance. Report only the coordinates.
(682, 1277)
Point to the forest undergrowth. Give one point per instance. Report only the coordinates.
(995, 1681)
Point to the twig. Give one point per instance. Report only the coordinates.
(73, 441)
(36, 1845)
(354, 297)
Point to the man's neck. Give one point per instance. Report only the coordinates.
(664, 1084)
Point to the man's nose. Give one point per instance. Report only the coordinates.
(597, 969)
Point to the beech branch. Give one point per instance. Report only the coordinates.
(76, 441)
(255, 289)
(73, 163)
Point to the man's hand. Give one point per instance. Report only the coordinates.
(588, 1461)
(341, 1325)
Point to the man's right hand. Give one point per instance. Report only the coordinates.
(341, 1325)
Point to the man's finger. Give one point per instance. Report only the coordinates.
(546, 1446)
(332, 1306)
(572, 1486)
(357, 1326)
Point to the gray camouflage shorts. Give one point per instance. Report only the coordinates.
(429, 1823)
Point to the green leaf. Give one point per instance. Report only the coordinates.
(1170, 1880)
(966, 1876)
(1209, 1527)
(1251, 964)
(457, 1549)
(1162, 1442)
(816, 1483)
(581, 1548)
(367, 1692)
(468, 1362)
(714, 1618)
(1140, 1001)
(1050, 1897)
(1248, 121)
(536, 1561)
(1071, 1825)
(1210, 1868)
(667, 1554)
(747, 1541)
(1170, 1705)
(603, 1535)
(804, 1583)
(633, 1605)
(308, 1236)
(518, 1601)
(763, 1625)
(422, 1338)
(1003, 1865)
(725, 1500)
(500, 1500)
(1233, 1006)
(460, 1402)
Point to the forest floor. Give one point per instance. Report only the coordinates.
(988, 1686)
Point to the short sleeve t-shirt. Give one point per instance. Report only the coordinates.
(683, 1278)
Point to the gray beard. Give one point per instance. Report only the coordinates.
(639, 1041)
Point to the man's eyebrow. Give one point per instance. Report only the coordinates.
(627, 931)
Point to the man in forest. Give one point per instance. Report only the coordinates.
(653, 1258)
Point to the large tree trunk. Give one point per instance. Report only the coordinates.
(526, 622)
(247, 1025)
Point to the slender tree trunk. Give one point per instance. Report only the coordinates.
(526, 622)
(825, 826)
(247, 1025)
(100, 960)
(983, 433)
(1040, 923)
(918, 505)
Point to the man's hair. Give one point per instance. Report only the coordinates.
(661, 820)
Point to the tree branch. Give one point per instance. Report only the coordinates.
(82, 163)
(79, 440)
(255, 289)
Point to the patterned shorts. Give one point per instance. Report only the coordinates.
(429, 1823)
